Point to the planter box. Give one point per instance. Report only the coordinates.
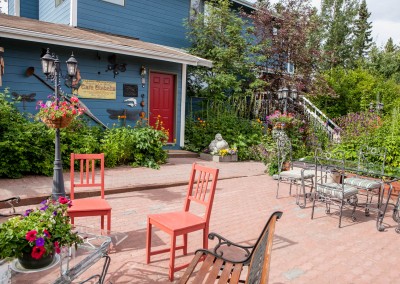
(219, 159)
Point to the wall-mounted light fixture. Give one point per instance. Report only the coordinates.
(143, 74)
(114, 66)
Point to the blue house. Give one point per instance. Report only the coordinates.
(129, 55)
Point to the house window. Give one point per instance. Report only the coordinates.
(118, 2)
(58, 2)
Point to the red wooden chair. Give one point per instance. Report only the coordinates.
(201, 190)
(97, 206)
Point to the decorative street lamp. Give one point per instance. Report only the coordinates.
(52, 70)
(285, 93)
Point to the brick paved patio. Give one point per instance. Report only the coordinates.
(305, 250)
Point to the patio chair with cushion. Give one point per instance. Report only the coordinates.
(369, 174)
(225, 262)
(299, 177)
(328, 188)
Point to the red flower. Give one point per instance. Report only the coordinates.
(31, 236)
(57, 247)
(63, 200)
(37, 252)
(46, 233)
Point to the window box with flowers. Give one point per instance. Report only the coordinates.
(35, 237)
(58, 114)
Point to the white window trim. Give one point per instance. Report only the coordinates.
(17, 8)
(116, 2)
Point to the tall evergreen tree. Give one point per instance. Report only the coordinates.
(219, 35)
(362, 32)
(338, 20)
(390, 47)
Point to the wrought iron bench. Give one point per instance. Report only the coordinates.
(226, 261)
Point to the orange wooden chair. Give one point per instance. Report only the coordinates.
(201, 190)
(97, 206)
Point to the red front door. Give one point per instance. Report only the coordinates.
(162, 101)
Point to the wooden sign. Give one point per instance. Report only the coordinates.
(92, 89)
(130, 90)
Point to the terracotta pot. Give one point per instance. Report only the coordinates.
(28, 262)
(286, 166)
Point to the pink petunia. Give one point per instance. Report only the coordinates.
(46, 233)
(31, 236)
(63, 200)
(38, 252)
(57, 247)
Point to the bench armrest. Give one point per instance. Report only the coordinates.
(224, 245)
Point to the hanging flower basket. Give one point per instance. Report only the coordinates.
(60, 122)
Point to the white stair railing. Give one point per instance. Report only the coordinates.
(320, 119)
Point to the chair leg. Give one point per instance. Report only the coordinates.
(102, 222)
(185, 238)
(148, 242)
(205, 238)
(172, 258)
(340, 216)
(109, 221)
(72, 220)
(313, 206)
(277, 189)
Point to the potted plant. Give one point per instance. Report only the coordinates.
(58, 113)
(36, 236)
(280, 120)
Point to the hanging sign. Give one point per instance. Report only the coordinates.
(92, 89)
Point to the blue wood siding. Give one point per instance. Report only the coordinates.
(48, 11)
(149, 20)
(11, 10)
(20, 55)
(30, 9)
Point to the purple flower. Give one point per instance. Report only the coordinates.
(43, 202)
(44, 208)
(27, 212)
(40, 242)
(54, 213)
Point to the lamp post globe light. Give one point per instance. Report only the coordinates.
(52, 70)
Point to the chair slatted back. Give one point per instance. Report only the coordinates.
(89, 175)
(261, 254)
(201, 188)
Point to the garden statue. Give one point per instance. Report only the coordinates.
(218, 144)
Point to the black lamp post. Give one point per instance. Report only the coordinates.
(52, 70)
(284, 94)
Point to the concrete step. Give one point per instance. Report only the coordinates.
(182, 154)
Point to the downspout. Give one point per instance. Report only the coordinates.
(183, 106)
(17, 8)
(73, 13)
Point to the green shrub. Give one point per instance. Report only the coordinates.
(27, 147)
(138, 146)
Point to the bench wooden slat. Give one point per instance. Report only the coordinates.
(191, 267)
(226, 273)
(212, 276)
(204, 269)
(237, 269)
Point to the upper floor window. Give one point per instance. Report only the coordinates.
(58, 2)
(118, 2)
